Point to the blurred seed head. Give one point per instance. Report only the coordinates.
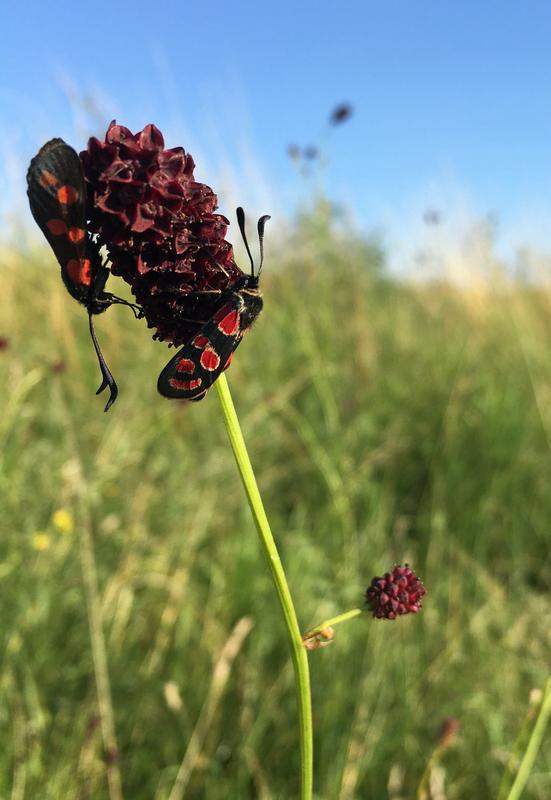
(293, 151)
(92, 725)
(432, 217)
(111, 756)
(57, 367)
(341, 113)
(311, 153)
(449, 731)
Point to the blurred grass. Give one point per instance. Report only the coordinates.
(386, 422)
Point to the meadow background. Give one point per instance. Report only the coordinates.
(387, 421)
(395, 395)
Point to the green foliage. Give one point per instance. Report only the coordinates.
(386, 422)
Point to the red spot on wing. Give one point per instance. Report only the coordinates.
(80, 270)
(228, 362)
(57, 227)
(46, 179)
(76, 235)
(200, 341)
(210, 360)
(229, 323)
(67, 194)
(185, 365)
(185, 386)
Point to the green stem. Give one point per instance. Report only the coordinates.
(332, 621)
(533, 745)
(298, 653)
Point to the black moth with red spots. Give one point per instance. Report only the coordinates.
(57, 197)
(181, 269)
(229, 314)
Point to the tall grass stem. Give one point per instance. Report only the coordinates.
(298, 652)
(99, 656)
(220, 677)
(95, 622)
(533, 746)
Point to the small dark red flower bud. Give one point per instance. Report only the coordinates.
(396, 593)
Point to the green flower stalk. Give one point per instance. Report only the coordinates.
(298, 652)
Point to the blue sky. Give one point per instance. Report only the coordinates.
(452, 99)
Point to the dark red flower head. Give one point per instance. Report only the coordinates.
(397, 592)
(158, 225)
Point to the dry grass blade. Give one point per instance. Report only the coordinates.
(95, 620)
(220, 676)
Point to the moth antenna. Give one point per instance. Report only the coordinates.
(261, 224)
(108, 379)
(241, 222)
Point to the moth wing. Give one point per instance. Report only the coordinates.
(57, 197)
(197, 365)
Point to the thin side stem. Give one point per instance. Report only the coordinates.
(298, 652)
(332, 621)
(533, 746)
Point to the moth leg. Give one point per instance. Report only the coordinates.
(108, 380)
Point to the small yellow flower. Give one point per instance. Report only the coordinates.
(14, 643)
(63, 521)
(41, 541)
